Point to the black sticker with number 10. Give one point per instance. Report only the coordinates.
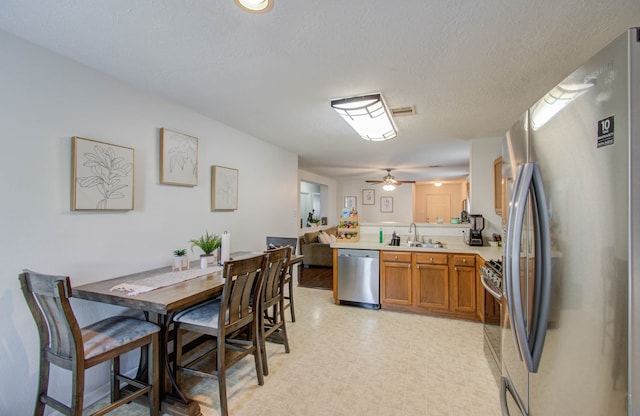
(605, 131)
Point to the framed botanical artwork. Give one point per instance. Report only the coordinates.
(386, 204)
(368, 197)
(350, 202)
(178, 158)
(102, 176)
(224, 188)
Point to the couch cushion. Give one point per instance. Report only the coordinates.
(311, 237)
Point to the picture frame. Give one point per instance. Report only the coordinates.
(386, 204)
(368, 197)
(323, 220)
(350, 202)
(178, 158)
(101, 176)
(224, 188)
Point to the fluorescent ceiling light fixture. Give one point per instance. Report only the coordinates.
(255, 6)
(388, 187)
(368, 115)
(437, 184)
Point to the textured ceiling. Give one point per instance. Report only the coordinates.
(469, 67)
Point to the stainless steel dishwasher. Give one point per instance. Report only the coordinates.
(359, 278)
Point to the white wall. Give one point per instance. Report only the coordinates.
(402, 201)
(47, 99)
(484, 152)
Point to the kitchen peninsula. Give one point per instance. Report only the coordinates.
(436, 281)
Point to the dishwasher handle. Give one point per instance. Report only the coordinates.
(359, 253)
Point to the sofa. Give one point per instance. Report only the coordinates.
(315, 252)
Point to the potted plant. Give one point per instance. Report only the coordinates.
(208, 243)
(180, 259)
(315, 221)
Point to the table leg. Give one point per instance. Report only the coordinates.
(173, 400)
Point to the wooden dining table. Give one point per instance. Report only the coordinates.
(159, 306)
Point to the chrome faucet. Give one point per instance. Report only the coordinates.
(415, 232)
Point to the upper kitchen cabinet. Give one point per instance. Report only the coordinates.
(498, 195)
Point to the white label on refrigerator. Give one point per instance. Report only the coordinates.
(605, 131)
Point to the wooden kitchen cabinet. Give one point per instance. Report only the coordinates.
(479, 289)
(463, 284)
(396, 280)
(431, 281)
(497, 186)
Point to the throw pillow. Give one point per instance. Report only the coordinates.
(333, 238)
(324, 237)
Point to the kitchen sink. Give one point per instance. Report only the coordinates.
(431, 245)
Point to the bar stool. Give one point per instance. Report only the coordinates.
(232, 320)
(64, 344)
(277, 242)
(272, 322)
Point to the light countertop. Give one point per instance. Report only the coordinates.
(453, 245)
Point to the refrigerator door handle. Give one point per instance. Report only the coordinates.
(507, 252)
(543, 269)
(530, 346)
(512, 282)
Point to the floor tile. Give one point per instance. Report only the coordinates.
(354, 361)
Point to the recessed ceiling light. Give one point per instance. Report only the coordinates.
(255, 6)
(438, 184)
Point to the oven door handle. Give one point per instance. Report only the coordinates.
(495, 294)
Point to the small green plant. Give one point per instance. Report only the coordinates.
(180, 252)
(315, 220)
(207, 242)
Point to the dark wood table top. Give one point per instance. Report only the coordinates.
(161, 301)
(165, 299)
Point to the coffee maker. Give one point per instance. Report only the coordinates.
(475, 232)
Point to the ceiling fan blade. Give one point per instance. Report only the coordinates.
(374, 181)
(405, 181)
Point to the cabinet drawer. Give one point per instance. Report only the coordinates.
(462, 260)
(431, 258)
(401, 256)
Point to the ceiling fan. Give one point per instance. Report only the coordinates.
(389, 181)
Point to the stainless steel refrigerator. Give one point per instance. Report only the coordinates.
(571, 312)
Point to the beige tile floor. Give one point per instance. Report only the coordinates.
(354, 361)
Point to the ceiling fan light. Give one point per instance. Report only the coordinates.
(388, 187)
(368, 115)
(255, 6)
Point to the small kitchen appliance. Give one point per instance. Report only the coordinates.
(474, 238)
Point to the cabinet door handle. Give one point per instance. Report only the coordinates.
(464, 260)
(455, 268)
(417, 266)
(396, 257)
(431, 259)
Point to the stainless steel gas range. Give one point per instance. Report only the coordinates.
(491, 278)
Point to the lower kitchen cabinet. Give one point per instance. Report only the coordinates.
(463, 282)
(395, 279)
(432, 283)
